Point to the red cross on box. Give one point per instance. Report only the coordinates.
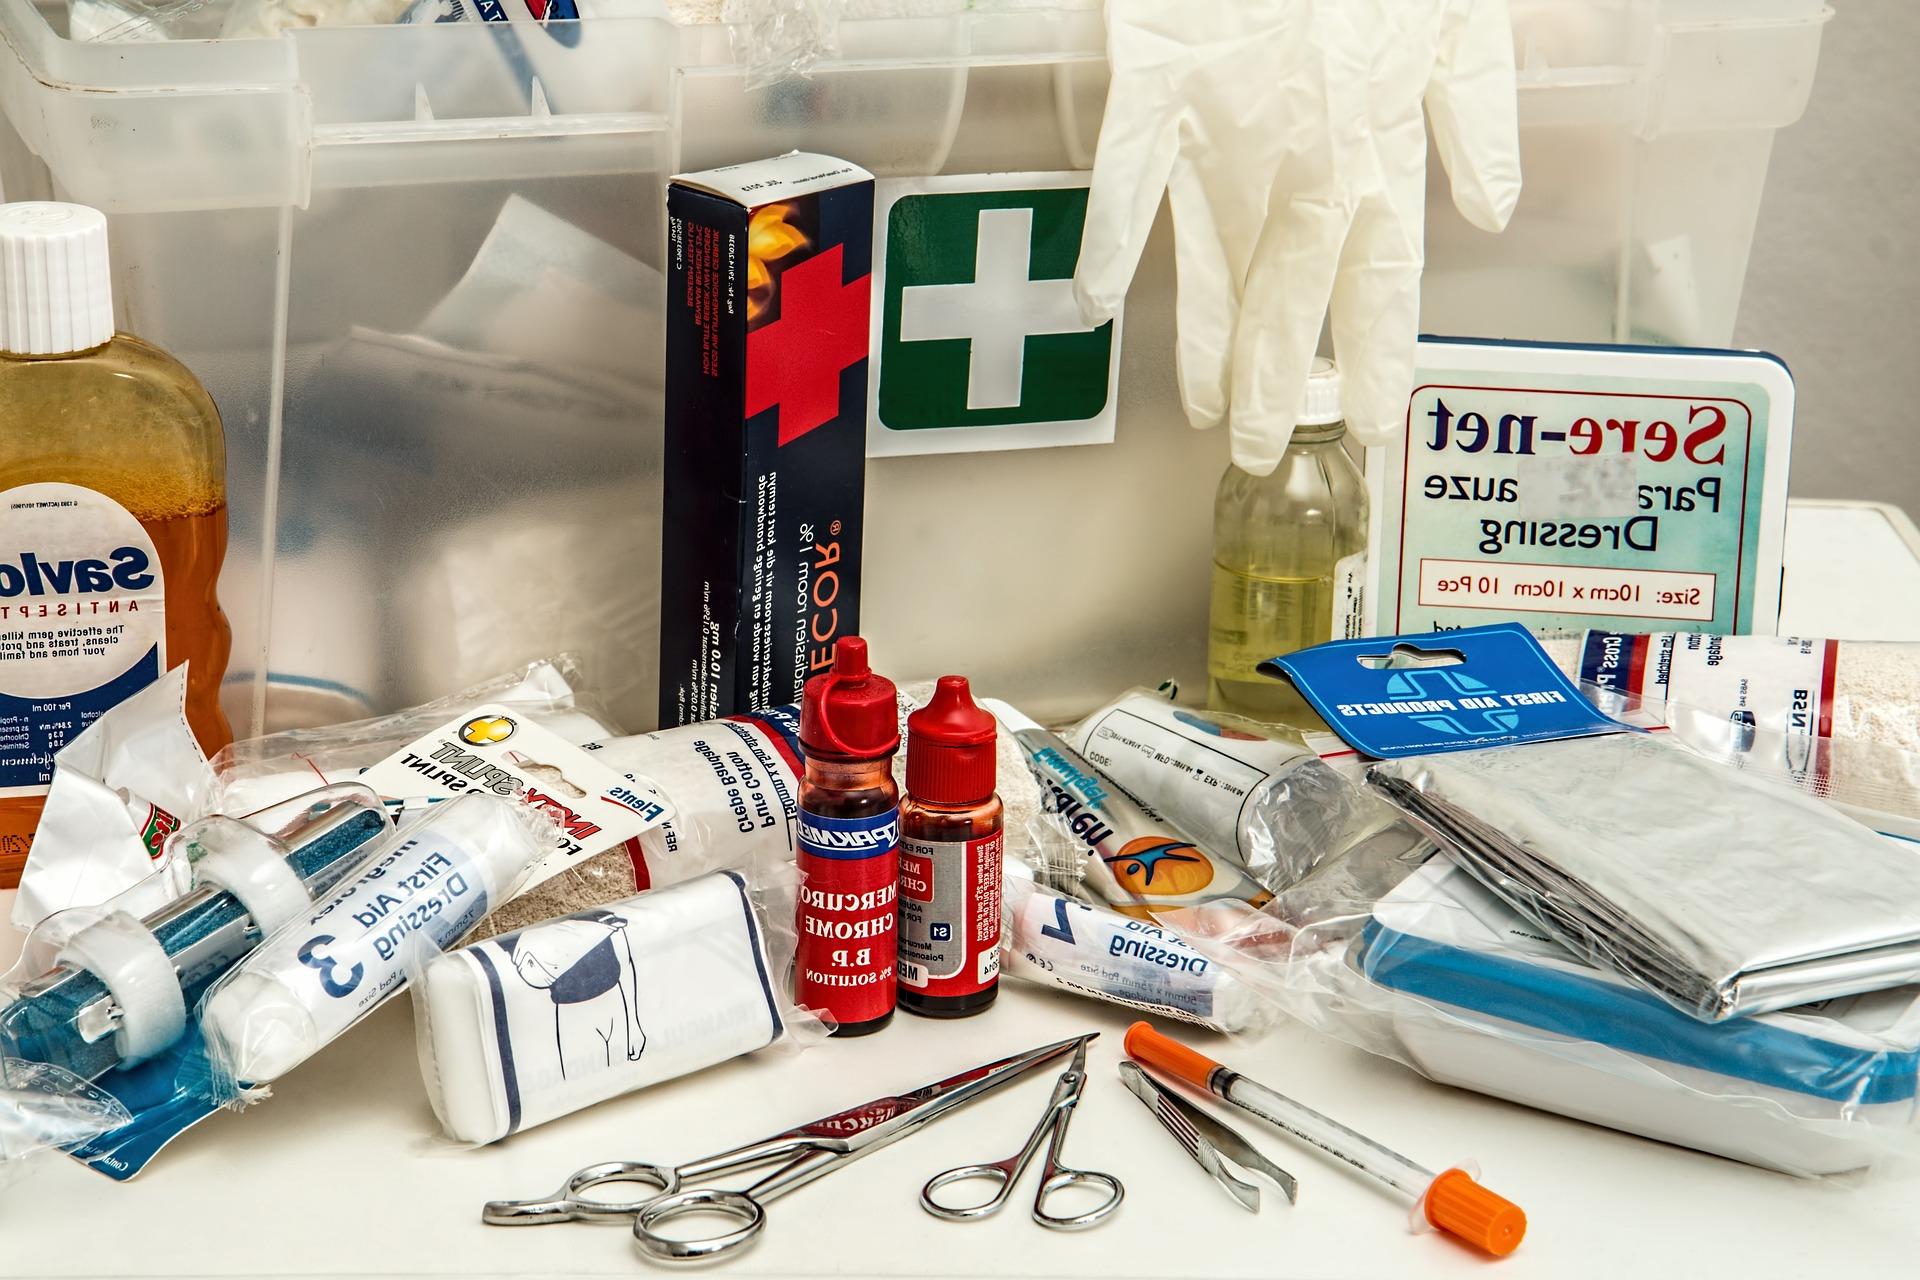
(795, 363)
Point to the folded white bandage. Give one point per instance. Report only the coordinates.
(529, 1026)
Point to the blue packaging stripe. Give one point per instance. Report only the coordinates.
(759, 957)
(1635, 1022)
(509, 1076)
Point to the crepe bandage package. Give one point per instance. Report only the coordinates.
(523, 1028)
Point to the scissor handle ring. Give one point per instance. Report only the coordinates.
(733, 1204)
(572, 1204)
(1000, 1173)
(1060, 1180)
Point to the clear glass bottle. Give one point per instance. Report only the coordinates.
(113, 512)
(1289, 560)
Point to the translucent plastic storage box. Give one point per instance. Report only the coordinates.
(419, 269)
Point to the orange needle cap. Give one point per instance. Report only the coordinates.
(1460, 1206)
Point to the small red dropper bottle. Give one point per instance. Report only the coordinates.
(848, 846)
(951, 835)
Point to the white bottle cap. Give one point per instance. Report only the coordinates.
(1321, 404)
(55, 294)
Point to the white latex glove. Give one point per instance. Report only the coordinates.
(1288, 136)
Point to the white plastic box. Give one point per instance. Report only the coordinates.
(429, 485)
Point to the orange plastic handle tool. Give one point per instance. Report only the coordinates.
(1168, 1056)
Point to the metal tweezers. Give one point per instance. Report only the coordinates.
(1209, 1142)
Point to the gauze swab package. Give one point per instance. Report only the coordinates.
(1070, 945)
(1231, 784)
(318, 975)
(522, 1028)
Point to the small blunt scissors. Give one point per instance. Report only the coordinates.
(804, 1154)
(1054, 1176)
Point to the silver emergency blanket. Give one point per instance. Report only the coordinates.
(1724, 893)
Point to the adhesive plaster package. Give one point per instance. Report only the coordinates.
(529, 1026)
(1565, 487)
(318, 975)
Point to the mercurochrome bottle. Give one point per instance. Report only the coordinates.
(1289, 559)
(113, 512)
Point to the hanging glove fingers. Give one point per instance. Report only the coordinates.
(1375, 316)
(1207, 299)
(1473, 107)
(1285, 302)
(1140, 135)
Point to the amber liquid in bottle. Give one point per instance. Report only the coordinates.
(131, 423)
(835, 788)
(946, 824)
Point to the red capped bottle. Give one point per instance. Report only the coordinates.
(848, 849)
(951, 835)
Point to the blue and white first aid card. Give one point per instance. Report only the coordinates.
(1567, 487)
(1392, 696)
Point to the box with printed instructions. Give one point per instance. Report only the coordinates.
(1567, 487)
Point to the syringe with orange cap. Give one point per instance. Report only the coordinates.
(1451, 1200)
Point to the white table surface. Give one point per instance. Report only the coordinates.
(340, 1174)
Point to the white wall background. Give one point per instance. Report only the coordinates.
(1833, 287)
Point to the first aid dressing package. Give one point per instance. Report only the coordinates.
(1567, 487)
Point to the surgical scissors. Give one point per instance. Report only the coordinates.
(1054, 1176)
(804, 1154)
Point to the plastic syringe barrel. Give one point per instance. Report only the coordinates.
(1172, 1058)
(45, 1023)
(1332, 1137)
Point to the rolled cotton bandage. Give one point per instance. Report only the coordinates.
(523, 1028)
(434, 879)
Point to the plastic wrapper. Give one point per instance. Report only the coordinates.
(429, 882)
(257, 772)
(102, 987)
(1253, 791)
(1410, 957)
(773, 39)
(119, 788)
(1839, 719)
(106, 993)
(44, 1108)
(1721, 892)
(529, 1026)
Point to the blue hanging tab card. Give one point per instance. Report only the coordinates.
(1392, 696)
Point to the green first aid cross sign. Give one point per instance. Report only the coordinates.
(977, 339)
